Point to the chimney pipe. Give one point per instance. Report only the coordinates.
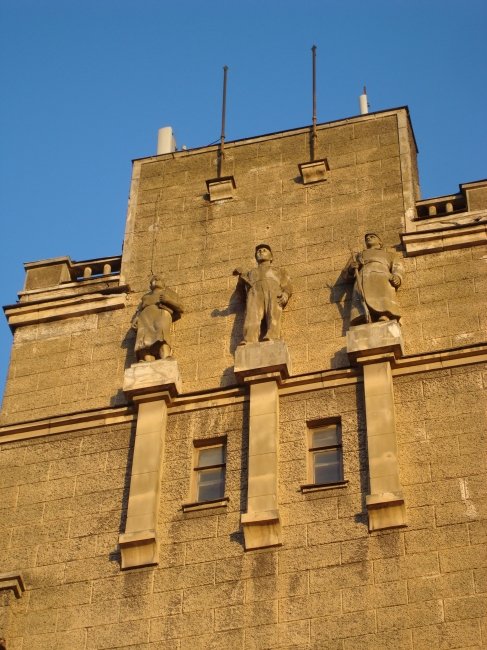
(166, 143)
(364, 104)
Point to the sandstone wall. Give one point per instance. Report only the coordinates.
(331, 584)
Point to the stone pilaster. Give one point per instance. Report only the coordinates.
(374, 346)
(262, 365)
(151, 386)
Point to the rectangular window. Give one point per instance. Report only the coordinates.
(325, 459)
(209, 469)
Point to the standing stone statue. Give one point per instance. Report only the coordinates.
(268, 291)
(153, 321)
(378, 275)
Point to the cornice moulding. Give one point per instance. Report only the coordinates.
(422, 242)
(327, 379)
(33, 313)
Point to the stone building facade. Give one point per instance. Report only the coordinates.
(326, 490)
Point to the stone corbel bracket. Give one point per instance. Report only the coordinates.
(222, 188)
(374, 346)
(262, 366)
(12, 581)
(314, 171)
(151, 385)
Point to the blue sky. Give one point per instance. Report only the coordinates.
(86, 84)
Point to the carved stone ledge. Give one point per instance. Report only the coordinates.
(254, 359)
(13, 581)
(314, 171)
(220, 189)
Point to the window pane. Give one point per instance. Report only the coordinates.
(327, 466)
(324, 437)
(211, 484)
(211, 456)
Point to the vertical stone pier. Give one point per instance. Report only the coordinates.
(151, 385)
(262, 366)
(374, 346)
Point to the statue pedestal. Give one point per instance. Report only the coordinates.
(261, 358)
(262, 366)
(374, 346)
(146, 376)
(151, 385)
(375, 339)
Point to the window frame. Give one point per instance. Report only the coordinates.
(196, 469)
(311, 429)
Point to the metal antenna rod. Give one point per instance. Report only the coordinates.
(314, 135)
(224, 110)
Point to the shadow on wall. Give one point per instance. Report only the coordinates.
(237, 536)
(341, 296)
(127, 344)
(236, 305)
(115, 556)
(363, 456)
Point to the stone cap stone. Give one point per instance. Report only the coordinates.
(386, 498)
(271, 516)
(126, 539)
(150, 376)
(253, 359)
(375, 339)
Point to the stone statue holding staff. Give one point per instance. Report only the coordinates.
(377, 274)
